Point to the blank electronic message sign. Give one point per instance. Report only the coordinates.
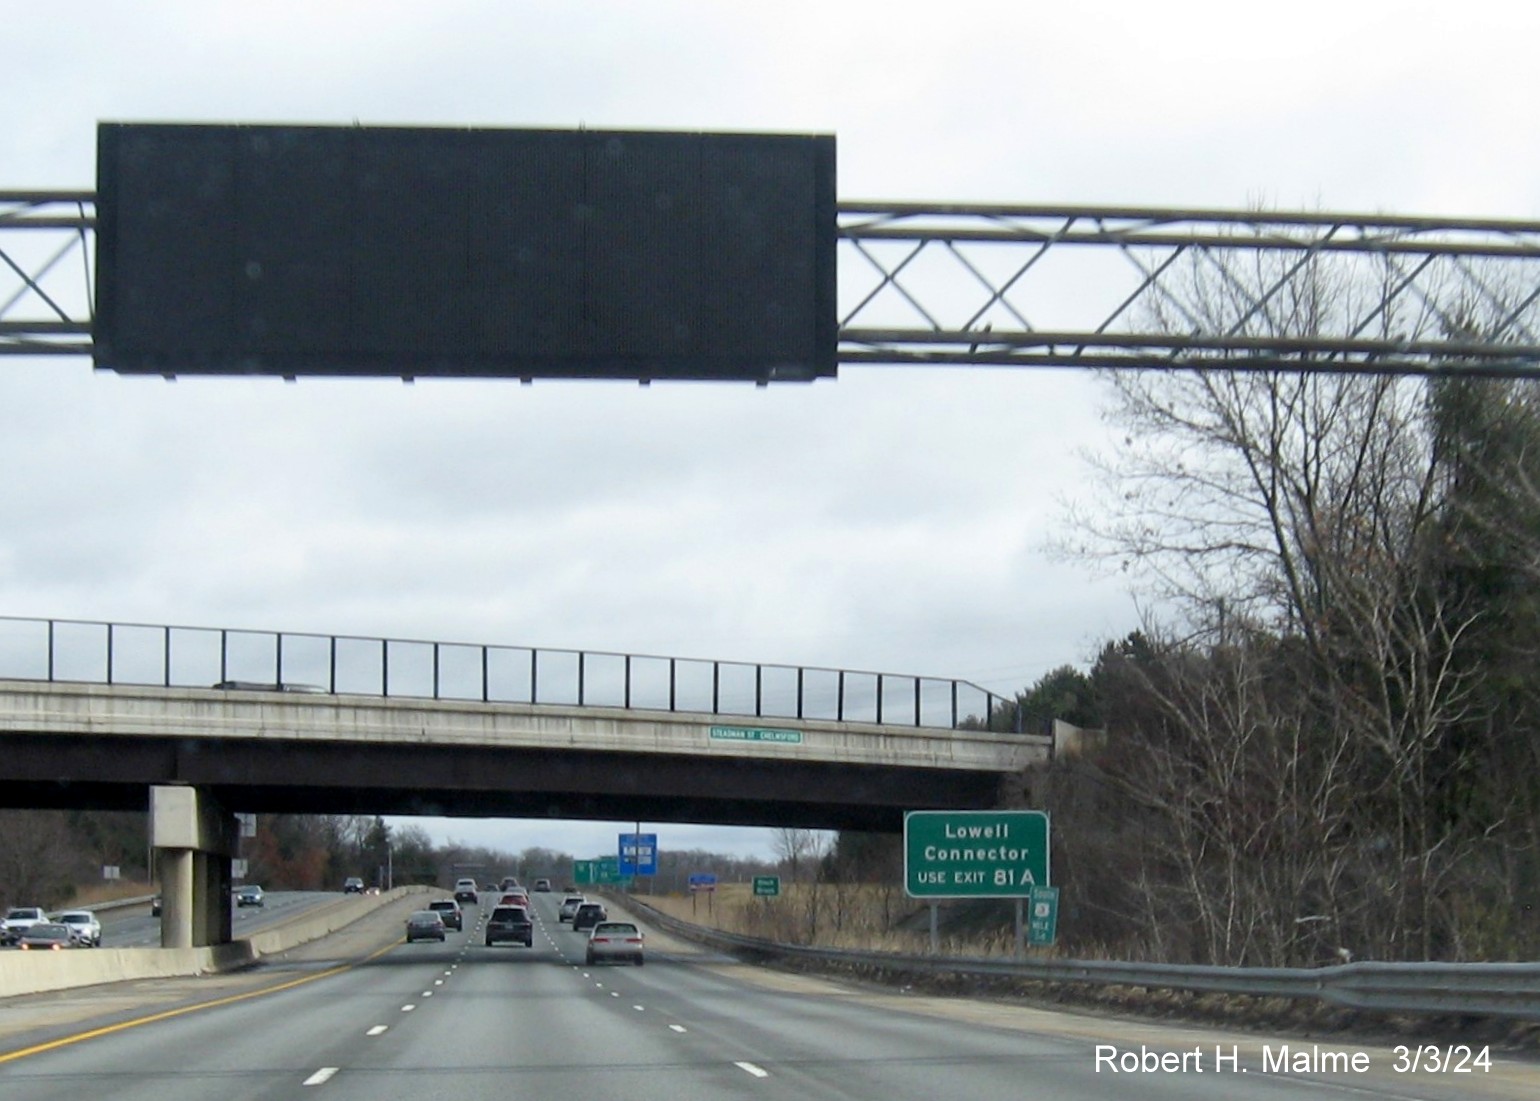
(421, 252)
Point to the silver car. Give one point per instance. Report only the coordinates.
(569, 907)
(615, 940)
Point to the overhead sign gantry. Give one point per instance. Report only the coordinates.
(607, 254)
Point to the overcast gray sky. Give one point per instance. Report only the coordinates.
(893, 520)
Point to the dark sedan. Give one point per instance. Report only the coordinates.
(425, 925)
(47, 936)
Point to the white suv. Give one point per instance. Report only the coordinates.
(18, 919)
(84, 927)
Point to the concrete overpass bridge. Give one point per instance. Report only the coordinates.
(197, 724)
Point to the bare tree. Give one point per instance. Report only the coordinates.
(38, 865)
(1295, 518)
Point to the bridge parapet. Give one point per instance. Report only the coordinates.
(136, 711)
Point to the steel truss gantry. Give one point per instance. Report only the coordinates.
(1049, 286)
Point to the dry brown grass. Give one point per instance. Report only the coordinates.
(95, 894)
(862, 917)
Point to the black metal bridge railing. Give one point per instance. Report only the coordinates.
(96, 652)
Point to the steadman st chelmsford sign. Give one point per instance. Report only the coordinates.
(975, 854)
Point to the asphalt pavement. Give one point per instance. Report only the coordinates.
(362, 1015)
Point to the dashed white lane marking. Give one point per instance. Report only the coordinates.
(427, 993)
(640, 1008)
(757, 1072)
(407, 1008)
(320, 1076)
(678, 1028)
(438, 982)
(376, 1030)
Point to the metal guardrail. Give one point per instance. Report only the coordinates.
(119, 903)
(1474, 989)
(99, 652)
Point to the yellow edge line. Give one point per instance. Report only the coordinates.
(22, 1053)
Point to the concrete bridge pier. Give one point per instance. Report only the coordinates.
(194, 839)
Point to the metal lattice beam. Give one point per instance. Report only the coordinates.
(1049, 286)
(46, 269)
(1060, 286)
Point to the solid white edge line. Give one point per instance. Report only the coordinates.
(757, 1072)
(320, 1076)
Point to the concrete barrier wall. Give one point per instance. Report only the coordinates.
(37, 972)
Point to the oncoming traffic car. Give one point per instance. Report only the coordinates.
(250, 896)
(17, 920)
(83, 924)
(615, 940)
(47, 936)
(425, 925)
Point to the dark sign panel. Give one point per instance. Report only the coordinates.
(303, 250)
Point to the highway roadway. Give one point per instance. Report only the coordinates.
(366, 1016)
(133, 927)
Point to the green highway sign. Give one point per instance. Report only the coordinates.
(767, 886)
(975, 853)
(755, 734)
(1043, 915)
(604, 870)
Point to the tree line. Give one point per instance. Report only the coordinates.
(1324, 742)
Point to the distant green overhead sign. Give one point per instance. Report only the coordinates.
(604, 870)
(755, 734)
(975, 853)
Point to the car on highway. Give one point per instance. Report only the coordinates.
(425, 925)
(569, 907)
(250, 896)
(47, 936)
(85, 926)
(510, 923)
(588, 915)
(615, 940)
(449, 910)
(516, 897)
(543, 885)
(509, 882)
(352, 885)
(17, 920)
(465, 892)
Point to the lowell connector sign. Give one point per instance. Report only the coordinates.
(975, 854)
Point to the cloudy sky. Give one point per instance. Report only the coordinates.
(894, 520)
